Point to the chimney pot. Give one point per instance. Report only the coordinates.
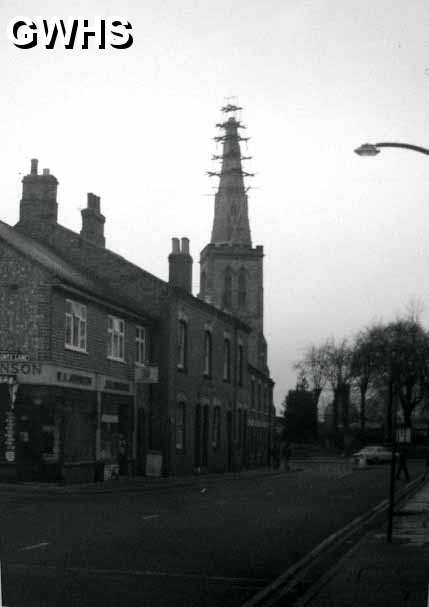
(175, 246)
(93, 202)
(34, 163)
(185, 246)
(45, 171)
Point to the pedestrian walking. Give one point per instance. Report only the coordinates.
(402, 464)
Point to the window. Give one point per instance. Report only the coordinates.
(75, 326)
(116, 338)
(182, 357)
(242, 287)
(207, 354)
(240, 364)
(140, 345)
(216, 428)
(180, 426)
(259, 395)
(227, 360)
(227, 292)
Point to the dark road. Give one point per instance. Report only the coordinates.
(214, 542)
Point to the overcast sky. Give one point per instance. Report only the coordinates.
(345, 238)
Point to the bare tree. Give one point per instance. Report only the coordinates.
(313, 367)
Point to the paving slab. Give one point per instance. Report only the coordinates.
(377, 573)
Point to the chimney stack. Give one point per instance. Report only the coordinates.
(180, 265)
(38, 207)
(93, 222)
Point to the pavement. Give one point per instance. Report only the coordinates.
(377, 573)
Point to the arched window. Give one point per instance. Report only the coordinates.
(242, 287)
(227, 290)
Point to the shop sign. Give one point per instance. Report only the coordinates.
(147, 374)
(20, 368)
(74, 378)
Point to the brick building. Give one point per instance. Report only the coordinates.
(106, 369)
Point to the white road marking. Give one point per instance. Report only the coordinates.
(146, 518)
(34, 546)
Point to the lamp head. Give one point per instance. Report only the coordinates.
(367, 149)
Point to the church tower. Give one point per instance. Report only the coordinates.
(231, 273)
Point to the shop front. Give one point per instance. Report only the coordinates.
(65, 425)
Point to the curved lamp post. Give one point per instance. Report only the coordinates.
(372, 149)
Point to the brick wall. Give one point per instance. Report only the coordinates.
(24, 305)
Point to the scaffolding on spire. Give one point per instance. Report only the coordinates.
(231, 222)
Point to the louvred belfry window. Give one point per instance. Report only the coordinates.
(116, 338)
(75, 338)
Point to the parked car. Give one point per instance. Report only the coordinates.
(374, 454)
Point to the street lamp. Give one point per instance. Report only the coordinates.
(372, 149)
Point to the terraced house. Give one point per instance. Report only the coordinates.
(106, 369)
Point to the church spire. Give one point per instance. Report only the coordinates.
(231, 218)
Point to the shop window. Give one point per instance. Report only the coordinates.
(216, 428)
(75, 338)
(115, 338)
(50, 434)
(207, 354)
(79, 432)
(182, 355)
(227, 360)
(180, 426)
(141, 345)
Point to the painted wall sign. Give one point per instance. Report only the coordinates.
(21, 368)
(74, 378)
(13, 356)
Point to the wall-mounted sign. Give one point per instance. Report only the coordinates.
(13, 356)
(147, 374)
(74, 378)
(9, 437)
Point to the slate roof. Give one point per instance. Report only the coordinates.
(62, 269)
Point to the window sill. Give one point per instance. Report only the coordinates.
(117, 360)
(75, 349)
